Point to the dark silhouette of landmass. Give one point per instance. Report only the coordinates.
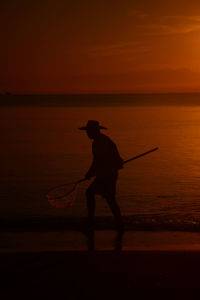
(171, 99)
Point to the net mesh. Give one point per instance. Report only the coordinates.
(63, 196)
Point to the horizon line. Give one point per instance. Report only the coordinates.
(96, 94)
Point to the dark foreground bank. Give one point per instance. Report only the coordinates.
(100, 275)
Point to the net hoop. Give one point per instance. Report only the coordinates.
(63, 196)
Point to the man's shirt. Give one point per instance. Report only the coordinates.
(106, 158)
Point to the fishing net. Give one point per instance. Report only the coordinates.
(63, 196)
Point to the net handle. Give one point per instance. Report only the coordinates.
(125, 161)
(140, 155)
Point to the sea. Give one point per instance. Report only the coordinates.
(41, 147)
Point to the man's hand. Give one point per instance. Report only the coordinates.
(91, 172)
(88, 176)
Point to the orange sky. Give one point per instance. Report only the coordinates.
(101, 46)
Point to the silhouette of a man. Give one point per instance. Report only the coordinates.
(105, 166)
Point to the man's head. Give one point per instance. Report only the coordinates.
(92, 128)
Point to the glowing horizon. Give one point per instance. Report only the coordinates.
(59, 47)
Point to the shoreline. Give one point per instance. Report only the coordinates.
(148, 223)
(102, 240)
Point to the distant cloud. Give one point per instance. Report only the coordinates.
(160, 29)
(184, 18)
(118, 49)
(169, 25)
(138, 14)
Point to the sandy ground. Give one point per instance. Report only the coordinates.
(151, 265)
(100, 275)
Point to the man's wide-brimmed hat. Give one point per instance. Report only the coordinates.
(92, 124)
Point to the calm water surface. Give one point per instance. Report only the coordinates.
(41, 147)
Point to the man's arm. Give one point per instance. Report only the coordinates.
(91, 171)
(115, 157)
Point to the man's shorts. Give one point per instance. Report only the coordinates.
(104, 186)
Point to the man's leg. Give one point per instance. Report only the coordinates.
(90, 196)
(116, 212)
